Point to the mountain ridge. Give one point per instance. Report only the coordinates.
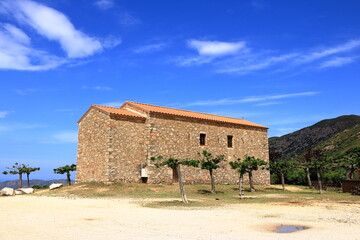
(327, 134)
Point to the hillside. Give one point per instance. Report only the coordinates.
(343, 141)
(15, 183)
(336, 135)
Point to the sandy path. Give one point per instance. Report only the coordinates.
(30, 217)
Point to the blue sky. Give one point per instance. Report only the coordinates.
(282, 64)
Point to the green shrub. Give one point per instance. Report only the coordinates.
(39, 187)
(296, 177)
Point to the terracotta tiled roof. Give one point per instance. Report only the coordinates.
(118, 111)
(190, 114)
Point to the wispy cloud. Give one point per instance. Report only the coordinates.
(99, 88)
(337, 62)
(104, 4)
(257, 4)
(19, 126)
(24, 92)
(318, 54)
(267, 104)
(113, 104)
(228, 101)
(3, 114)
(215, 48)
(155, 47)
(66, 137)
(126, 19)
(238, 58)
(16, 50)
(65, 110)
(242, 66)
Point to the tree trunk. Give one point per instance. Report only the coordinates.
(282, 181)
(28, 179)
(68, 178)
(348, 174)
(352, 170)
(308, 179)
(20, 180)
(241, 190)
(252, 188)
(319, 181)
(181, 184)
(212, 181)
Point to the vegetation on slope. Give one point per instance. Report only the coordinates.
(311, 137)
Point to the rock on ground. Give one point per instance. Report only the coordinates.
(55, 185)
(7, 192)
(25, 190)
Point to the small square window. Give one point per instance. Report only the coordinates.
(202, 139)
(230, 141)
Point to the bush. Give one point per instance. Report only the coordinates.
(296, 177)
(274, 179)
(39, 187)
(335, 175)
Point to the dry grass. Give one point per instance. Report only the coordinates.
(199, 195)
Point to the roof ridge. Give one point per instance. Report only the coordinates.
(188, 111)
(118, 111)
(97, 105)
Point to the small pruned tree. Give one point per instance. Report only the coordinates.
(319, 162)
(280, 166)
(304, 162)
(16, 169)
(253, 164)
(66, 169)
(210, 163)
(175, 164)
(28, 170)
(240, 167)
(350, 160)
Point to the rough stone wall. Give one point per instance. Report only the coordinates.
(127, 149)
(92, 153)
(112, 149)
(172, 136)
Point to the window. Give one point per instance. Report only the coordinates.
(202, 139)
(230, 141)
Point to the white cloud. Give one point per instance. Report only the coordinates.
(215, 48)
(17, 34)
(228, 101)
(104, 4)
(337, 62)
(151, 48)
(43, 19)
(66, 137)
(3, 114)
(16, 52)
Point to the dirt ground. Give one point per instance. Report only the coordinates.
(35, 217)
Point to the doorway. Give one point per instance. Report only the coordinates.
(175, 178)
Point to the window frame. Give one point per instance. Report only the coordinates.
(230, 141)
(202, 139)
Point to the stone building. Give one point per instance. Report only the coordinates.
(115, 144)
